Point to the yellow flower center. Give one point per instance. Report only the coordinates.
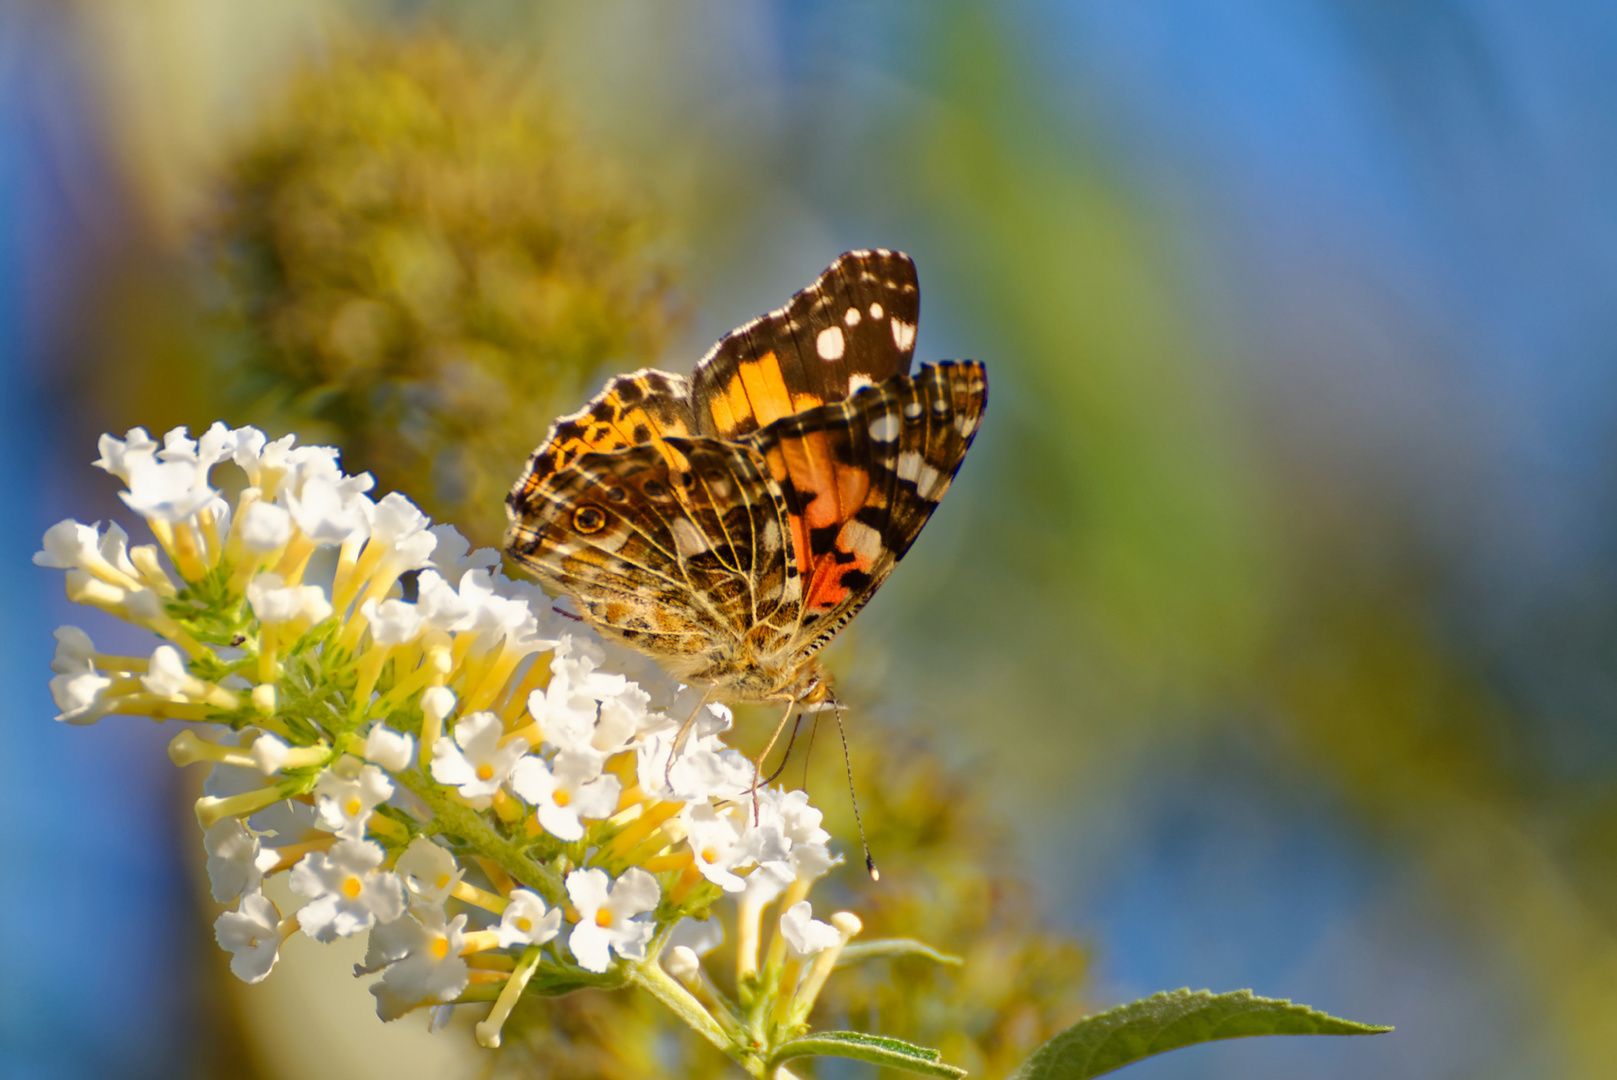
(709, 855)
(524, 924)
(443, 879)
(440, 947)
(353, 806)
(603, 918)
(485, 772)
(562, 798)
(352, 887)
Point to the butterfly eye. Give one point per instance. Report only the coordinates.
(589, 519)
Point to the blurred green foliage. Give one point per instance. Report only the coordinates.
(428, 265)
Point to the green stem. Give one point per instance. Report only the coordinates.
(666, 989)
(464, 822)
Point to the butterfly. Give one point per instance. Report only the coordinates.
(730, 524)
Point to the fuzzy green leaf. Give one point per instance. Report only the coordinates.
(876, 1049)
(1169, 1020)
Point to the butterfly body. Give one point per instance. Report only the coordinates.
(731, 524)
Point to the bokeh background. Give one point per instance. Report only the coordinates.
(1274, 610)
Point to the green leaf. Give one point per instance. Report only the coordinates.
(1169, 1020)
(882, 948)
(876, 1049)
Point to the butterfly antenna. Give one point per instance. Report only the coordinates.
(870, 861)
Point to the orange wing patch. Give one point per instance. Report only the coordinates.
(755, 395)
(647, 406)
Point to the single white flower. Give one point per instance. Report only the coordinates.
(237, 861)
(608, 915)
(437, 702)
(440, 603)
(703, 770)
(474, 760)
(392, 622)
(215, 444)
(345, 805)
(268, 752)
(567, 791)
(75, 652)
(431, 967)
(166, 674)
(265, 527)
(722, 844)
(526, 921)
(114, 548)
(390, 749)
(116, 454)
(70, 545)
(399, 524)
(804, 934)
(452, 556)
(252, 936)
(275, 602)
(798, 819)
(429, 871)
(325, 514)
(166, 490)
(83, 697)
(348, 892)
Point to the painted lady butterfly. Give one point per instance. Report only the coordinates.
(732, 523)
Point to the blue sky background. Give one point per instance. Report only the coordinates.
(1385, 235)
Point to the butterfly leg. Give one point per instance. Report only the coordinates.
(684, 730)
(758, 764)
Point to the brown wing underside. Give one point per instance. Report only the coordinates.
(893, 450)
(681, 563)
(643, 407)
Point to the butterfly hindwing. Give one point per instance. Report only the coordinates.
(853, 327)
(893, 451)
(682, 561)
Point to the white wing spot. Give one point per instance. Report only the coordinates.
(875, 311)
(912, 410)
(861, 539)
(965, 423)
(884, 428)
(903, 335)
(614, 539)
(830, 343)
(913, 467)
(858, 381)
(688, 539)
(851, 316)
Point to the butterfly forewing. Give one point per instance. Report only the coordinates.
(632, 409)
(854, 326)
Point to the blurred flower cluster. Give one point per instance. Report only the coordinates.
(425, 264)
(499, 800)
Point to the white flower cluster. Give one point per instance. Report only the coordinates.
(467, 775)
